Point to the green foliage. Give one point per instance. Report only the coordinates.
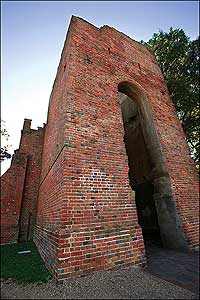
(23, 267)
(178, 58)
(4, 149)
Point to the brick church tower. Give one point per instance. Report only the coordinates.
(116, 170)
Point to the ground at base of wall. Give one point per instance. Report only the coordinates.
(127, 283)
(179, 268)
(22, 262)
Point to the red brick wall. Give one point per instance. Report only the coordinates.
(12, 184)
(95, 206)
(32, 144)
(181, 167)
(86, 214)
(50, 200)
(20, 187)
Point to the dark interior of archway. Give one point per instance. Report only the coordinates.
(139, 171)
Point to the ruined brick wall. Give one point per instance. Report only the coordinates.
(184, 176)
(32, 144)
(86, 214)
(94, 222)
(12, 183)
(20, 187)
(50, 200)
(87, 217)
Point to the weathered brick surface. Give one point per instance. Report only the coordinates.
(94, 204)
(20, 187)
(32, 144)
(85, 202)
(182, 170)
(12, 184)
(86, 213)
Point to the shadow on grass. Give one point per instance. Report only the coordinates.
(23, 267)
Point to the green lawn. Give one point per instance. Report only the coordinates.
(23, 267)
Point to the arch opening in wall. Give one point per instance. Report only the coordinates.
(148, 174)
(140, 166)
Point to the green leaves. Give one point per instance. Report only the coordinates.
(4, 148)
(178, 58)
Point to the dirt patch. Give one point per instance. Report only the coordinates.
(129, 283)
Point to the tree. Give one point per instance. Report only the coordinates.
(178, 58)
(4, 149)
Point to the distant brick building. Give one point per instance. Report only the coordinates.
(111, 168)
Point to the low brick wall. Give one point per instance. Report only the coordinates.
(19, 187)
(12, 185)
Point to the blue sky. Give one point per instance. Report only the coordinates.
(33, 35)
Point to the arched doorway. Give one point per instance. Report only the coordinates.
(148, 175)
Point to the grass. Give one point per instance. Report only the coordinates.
(23, 267)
